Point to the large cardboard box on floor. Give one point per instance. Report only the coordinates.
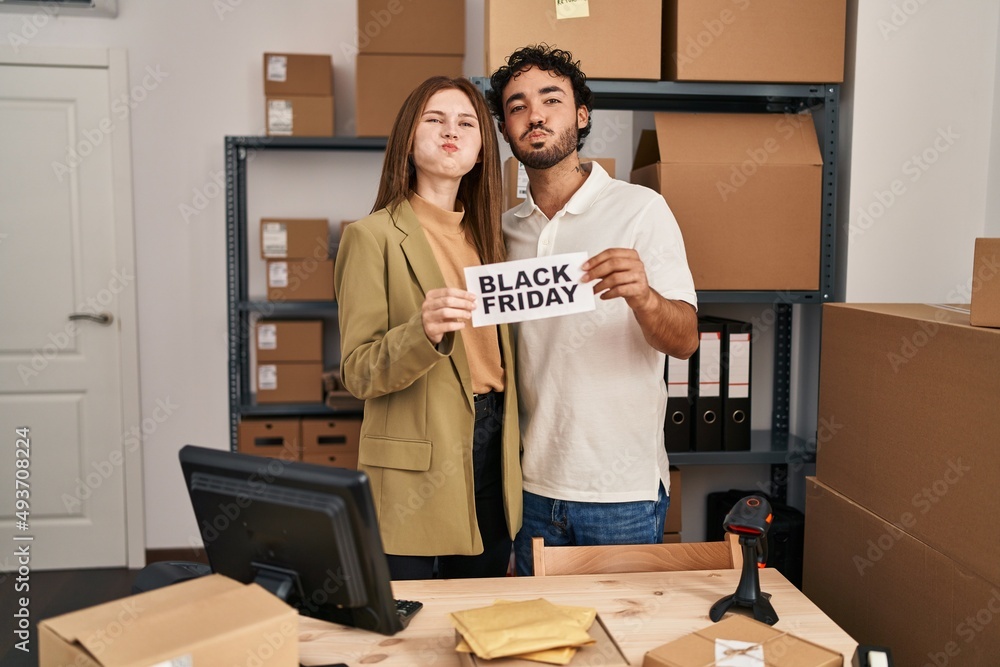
(738, 40)
(885, 587)
(985, 307)
(614, 40)
(211, 620)
(747, 193)
(908, 404)
(384, 82)
(428, 27)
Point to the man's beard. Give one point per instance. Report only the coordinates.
(564, 145)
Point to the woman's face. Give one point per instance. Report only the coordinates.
(447, 141)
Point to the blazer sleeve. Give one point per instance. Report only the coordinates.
(375, 359)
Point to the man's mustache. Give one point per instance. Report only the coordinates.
(536, 128)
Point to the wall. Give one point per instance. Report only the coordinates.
(935, 72)
(923, 118)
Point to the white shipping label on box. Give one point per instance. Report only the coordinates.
(529, 289)
(572, 9)
(274, 239)
(522, 182)
(277, 68)
(267, 337)
(267, 377)
(277, 274)
(279, 117)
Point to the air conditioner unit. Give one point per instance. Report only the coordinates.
(105, 8)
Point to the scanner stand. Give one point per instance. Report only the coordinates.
(748, 592)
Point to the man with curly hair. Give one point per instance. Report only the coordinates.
(591, 393)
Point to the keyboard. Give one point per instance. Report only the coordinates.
(405, 609)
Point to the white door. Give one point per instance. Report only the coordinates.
(62, 286)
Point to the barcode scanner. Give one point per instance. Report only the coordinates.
(750, 518)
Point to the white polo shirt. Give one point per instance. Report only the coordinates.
(591, 391)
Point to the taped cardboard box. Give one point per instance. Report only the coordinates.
(211, 620)
(611, 39)
(738, 40)
(756, 643)
(985, 307)
(384, 81)
(289, 340)
(299, 116)
(298, 74)
(515, 178)
(290, 382)
(300, 280)
(746, 190)
(294, 238)
(428, 27)
(907, 422)
(887, 588)
(273, 438)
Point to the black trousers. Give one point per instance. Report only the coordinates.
(487, 450)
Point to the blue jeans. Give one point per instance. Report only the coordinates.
(568, 523)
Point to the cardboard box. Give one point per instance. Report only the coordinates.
(300, 280)
(736, 40)
(211, 620)
(294, 238)
(908, 429)
(331, 441)
(515, 178)
(610, 43)
(885, 587)
(274, 438)
(289, 340)
(752, 180)
(773, 647)
(674, 512)
(427, 27)
(299, 116)
(385, 81)
(985, 308)
(297, 74)
(290, 382)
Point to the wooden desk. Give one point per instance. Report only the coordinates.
(641, 610)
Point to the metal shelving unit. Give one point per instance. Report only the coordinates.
(775, 447)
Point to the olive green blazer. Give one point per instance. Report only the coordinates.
(416, 438)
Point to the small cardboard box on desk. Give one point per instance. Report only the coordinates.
(738, 640)
(212, 620)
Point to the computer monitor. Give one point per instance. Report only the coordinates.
(307, 533)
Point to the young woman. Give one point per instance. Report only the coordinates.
(440, 435)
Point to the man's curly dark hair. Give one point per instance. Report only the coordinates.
(548, 59)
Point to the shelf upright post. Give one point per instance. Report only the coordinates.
(236, 243)
(830, 138)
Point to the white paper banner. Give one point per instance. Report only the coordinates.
(529, 289)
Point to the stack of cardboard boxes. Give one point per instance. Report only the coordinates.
(298, 92)
(401, 44)
(901, 543)
(325, 441)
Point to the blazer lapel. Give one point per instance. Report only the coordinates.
(425, 268)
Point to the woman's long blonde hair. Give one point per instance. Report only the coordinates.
(479, 190)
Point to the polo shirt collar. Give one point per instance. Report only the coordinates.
(581, 200)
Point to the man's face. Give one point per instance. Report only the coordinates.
(541, 120)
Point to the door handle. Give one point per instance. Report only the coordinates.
(101, 318)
